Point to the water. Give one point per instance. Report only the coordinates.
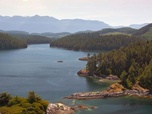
(36, 68)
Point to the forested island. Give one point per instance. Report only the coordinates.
(132, 64)
(10, 42)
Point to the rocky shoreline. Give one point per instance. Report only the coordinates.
(60, 108)
(85, 73)
(84, 59)
(115, 90)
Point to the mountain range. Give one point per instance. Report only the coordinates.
(41, 24)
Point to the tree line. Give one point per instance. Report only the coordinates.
(33, 39)
(94, 41)
(33, 104)
(10, 42)
(132, 64)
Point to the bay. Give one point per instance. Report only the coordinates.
(37, 68)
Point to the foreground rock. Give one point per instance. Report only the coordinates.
(59, 108)
(115, 90)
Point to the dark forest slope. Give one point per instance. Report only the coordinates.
(94, 41)
(145, 32)
(9, 42)
(131, 64)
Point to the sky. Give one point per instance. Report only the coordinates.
(112, 12)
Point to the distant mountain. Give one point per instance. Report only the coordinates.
(40, 24)
(138, 26)
(145, 32)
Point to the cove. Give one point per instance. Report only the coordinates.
(37, 68)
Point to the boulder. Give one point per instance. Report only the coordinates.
(59, 108)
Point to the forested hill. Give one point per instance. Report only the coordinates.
(145, 32)
(132, 64)
(9, 42)
(126, 30)
(33, 39)
(36, 38)
(94, 41)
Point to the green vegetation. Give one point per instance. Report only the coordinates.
(94, 41)
(9, 42)
(145, 32)
(131, 64)
(125, 30)
(146, 77)
(33, 104)
(148, 34)
(106, 39)
(33, 39)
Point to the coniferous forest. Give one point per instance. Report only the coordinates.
(93, 41)
(132, 64)
(10, 42)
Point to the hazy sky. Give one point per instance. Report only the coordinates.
(113, 12)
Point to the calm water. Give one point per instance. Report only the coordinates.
(36, 68)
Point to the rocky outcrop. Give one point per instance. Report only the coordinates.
(59, 108)
(83, 72)
(111, 77)
(84, 59)
(115, 90)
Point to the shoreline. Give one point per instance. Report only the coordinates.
(115, 90)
